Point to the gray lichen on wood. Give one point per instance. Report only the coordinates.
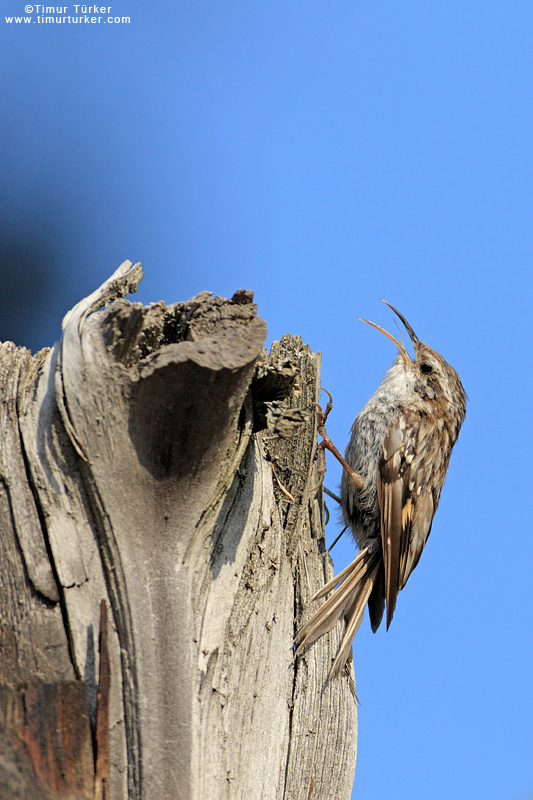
(147, 460)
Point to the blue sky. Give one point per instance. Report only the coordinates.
(323, 154)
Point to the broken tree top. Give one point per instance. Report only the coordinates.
(141, 464)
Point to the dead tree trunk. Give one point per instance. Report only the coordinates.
(160, 538)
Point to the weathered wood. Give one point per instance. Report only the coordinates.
(136, 469)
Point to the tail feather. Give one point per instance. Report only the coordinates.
(353, 587)
(338, 579)
(329, 614)
(354, 617)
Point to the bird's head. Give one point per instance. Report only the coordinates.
(428, 376)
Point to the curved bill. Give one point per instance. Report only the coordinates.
(400, 347)
(410, 331)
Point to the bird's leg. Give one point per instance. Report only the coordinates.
(327, 444)
(321, 465)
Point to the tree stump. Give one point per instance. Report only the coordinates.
(161, 534)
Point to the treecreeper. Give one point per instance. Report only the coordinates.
(395, 467)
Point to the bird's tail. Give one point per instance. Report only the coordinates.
(353, 587)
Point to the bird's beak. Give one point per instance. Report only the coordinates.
(401, 347)
(405, 355)
(410, 331)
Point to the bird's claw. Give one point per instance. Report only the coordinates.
(327, 444)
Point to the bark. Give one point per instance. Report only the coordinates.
(160, 536)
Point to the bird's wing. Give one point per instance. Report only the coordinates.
(404, 529)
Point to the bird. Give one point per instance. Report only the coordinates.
(395, 467)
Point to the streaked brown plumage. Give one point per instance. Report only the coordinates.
(400, 449)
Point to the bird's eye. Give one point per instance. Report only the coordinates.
(426, 368)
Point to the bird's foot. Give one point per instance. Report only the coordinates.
(327, 444)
